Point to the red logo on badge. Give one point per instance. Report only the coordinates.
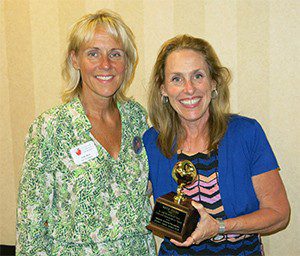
(78, 152)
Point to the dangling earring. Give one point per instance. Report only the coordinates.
(164, 99)
(214, 93)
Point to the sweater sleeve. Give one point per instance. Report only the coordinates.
(35, 193)
(263, 158)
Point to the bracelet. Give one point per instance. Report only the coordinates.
(221, 227)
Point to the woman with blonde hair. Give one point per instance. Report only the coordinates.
(238, 191)
(83, 188)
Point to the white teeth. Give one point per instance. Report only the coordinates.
(190, 102)
(104, 77)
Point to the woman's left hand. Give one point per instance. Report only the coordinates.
(207, 228)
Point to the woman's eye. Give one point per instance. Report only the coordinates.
(198, 76)
(92, 54)
(176, 79)
(116, 54)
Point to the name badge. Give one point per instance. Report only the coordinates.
(84, 152)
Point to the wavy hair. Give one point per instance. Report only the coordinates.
(83, 31)
(165, 119)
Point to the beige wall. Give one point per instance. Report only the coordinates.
(258, 40)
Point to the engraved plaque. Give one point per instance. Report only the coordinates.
(168, 217)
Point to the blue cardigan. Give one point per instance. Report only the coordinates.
(243, 152)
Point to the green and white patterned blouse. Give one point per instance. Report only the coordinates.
(99, 207)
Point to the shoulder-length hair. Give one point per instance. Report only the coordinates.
(82, 31)
(165, 119)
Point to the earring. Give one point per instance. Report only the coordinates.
(164, 99)
(214, 93)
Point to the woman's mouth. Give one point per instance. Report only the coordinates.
(190, 102)
(104, 78)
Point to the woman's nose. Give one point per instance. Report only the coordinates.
(189, 87)
(104, 62)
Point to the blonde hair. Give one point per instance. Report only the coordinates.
(163, 116)
(83, 31)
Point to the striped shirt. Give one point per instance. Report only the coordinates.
(205, 190)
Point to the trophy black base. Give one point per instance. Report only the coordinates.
(173, 220)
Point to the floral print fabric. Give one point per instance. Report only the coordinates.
(99, 207)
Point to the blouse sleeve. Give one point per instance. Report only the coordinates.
(263, 158)
(35, 193)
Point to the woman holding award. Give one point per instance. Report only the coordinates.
(83, 189)
(238, 191)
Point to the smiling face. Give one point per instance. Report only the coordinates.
(188, 85)
(102, 65)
